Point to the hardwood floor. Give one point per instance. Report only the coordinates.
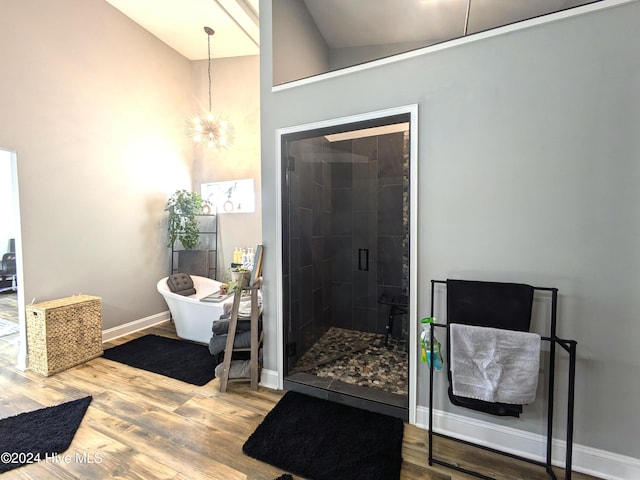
(142, 425)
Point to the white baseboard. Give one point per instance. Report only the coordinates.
(269, 379)
(135, 326)
(599, 463)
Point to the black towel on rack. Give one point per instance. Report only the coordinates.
(488, 304)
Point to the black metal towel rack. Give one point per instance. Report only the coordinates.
(570, 347)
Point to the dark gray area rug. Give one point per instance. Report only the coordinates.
(322, 440)
(180, 359)
(35, 436)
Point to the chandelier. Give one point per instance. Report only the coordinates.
(207, 129)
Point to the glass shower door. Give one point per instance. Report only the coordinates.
(345, 241)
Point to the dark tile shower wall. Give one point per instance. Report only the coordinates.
(341, 197)
(392, 221)
(339, 158)
(367, 192)
(307, 206)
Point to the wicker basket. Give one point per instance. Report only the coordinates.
(63, 333)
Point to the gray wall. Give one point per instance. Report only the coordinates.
(349, 56)
(528, 172)
(95, 108)
(295, 32)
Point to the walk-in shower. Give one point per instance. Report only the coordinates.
(345, 193)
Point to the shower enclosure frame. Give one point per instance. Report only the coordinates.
(412, 111)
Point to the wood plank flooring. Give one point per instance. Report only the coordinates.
(145, 426)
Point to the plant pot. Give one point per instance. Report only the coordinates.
(241, 279)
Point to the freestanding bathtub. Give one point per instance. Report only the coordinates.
(193, 318)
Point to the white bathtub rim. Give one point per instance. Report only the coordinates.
(204, 286)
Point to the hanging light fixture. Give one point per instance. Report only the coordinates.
(207, 129)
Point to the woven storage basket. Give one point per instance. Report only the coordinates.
(63, 333)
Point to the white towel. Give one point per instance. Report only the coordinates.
(494, 365)
(237, 369)
(244, 307)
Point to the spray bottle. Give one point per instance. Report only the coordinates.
(425, 343)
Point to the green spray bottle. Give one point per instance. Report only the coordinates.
(425, 343)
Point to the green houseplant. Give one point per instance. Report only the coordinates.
(183, 206)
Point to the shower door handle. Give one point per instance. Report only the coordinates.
(363, 259)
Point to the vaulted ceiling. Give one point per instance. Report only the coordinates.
(343, 23)
(180, 24)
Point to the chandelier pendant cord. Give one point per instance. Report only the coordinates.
(209, 31)
(207, 129)
(209, 57)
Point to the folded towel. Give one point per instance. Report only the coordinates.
(244, 308)
(221, 326)
(494, 365)
(237, 369)
(218, 343)
(490, 304)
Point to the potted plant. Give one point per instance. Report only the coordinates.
(240, 277)
(183, 206)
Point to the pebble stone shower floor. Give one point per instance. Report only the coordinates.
(358, 358)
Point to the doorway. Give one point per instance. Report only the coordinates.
(346, 262)
(12, 331)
